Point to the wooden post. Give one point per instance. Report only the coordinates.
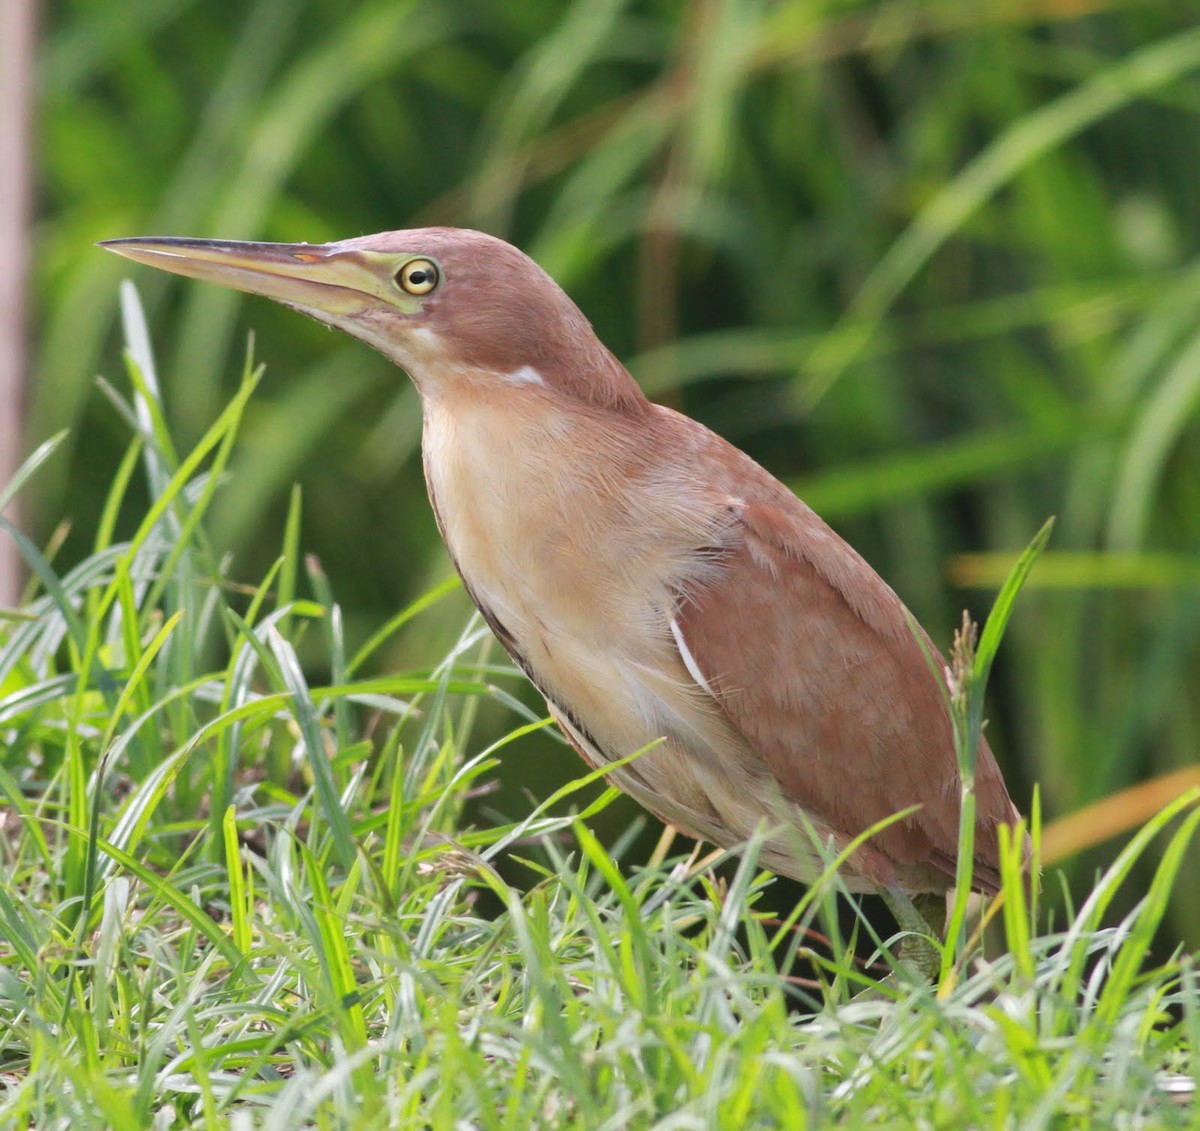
(17, 37)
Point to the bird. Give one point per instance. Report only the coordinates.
(663, 591)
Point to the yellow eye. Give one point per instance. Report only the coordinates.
(418, 276)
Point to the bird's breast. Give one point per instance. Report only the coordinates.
(576, 553)
(530, 529)
(534, 515)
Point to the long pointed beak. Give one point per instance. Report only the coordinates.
(317, 278)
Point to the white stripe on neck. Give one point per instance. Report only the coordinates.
(526, 375)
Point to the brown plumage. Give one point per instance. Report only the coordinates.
(652, 580)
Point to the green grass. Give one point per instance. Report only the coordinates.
(234, 895)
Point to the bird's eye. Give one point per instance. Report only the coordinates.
(418, 276)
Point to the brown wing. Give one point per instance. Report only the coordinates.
(811, 657)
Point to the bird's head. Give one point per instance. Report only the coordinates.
(453, 307)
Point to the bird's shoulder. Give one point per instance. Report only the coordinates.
(778, 532)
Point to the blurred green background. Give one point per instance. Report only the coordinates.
(934, 263)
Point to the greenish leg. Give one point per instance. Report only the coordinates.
(921, 916)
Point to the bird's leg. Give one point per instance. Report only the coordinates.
(922, 916)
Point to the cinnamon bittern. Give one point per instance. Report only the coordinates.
(653, 581)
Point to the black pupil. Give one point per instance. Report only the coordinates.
(419, 276)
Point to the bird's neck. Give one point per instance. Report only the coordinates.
(498, 460)
(601, 381)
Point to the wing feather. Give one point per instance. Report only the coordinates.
(811, 657)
